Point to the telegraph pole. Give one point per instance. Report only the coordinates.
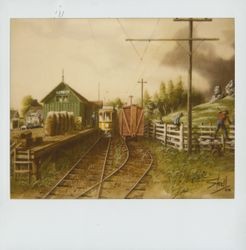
(131, 96)
(190, 40)
(62, 75)
(142, 83)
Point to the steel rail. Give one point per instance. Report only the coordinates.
(103, 168)
(107, 177)
(72, 168)
(144, 174)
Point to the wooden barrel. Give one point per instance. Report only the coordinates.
(50, 124)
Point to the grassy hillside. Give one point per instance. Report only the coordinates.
(207, 112)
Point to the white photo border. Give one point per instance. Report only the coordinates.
(124, 224)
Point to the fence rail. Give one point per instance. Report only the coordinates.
(203, 136)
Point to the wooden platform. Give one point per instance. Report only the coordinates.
(50, 144)
(55, 142)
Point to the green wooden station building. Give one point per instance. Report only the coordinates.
(65, 98)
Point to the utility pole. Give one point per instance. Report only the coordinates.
(130, 96)
(142, 83)
(98, 91)
(190, 40)
(62, 75)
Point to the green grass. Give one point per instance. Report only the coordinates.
(180, 174)
(206, 113)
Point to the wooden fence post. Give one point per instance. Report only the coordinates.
(181, 136)
(154, 130)
(148, 125)
(165, 134)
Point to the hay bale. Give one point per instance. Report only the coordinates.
(58, 123)
(50, 124)
(62, 122)
(61, 127)
(71, 121)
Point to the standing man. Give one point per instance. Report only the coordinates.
(223, 116)
(176, 120)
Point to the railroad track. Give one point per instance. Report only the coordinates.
(87, 171)
(128, 180)
(95, 176)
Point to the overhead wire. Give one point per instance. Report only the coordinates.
(141, 71)
(147, 47)
(161, 62)
(99, 72)
(94, 42)
(126, 34)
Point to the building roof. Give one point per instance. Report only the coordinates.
(63, 84)
(34, 109)
(35, 103)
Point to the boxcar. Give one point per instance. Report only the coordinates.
(131, 121)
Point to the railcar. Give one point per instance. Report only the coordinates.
(107, 120)
(131, 121)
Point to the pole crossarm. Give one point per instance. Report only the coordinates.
(193, 19)
(170, 39)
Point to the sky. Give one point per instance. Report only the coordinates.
(93, 51)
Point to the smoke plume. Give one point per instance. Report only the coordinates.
(206, 62)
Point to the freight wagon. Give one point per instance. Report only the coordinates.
(131, 121)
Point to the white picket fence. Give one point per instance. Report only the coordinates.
(176, 137)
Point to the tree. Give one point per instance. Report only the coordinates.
(171, 96)
(161, 101)
(116, 103)
(146, 98)
(149, 105)
(25, 104)
(158, 111)
(179, 95)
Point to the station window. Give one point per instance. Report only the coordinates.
(58, 98)
(65, 98)
(62, 98)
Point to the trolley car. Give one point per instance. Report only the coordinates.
(107, 119)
